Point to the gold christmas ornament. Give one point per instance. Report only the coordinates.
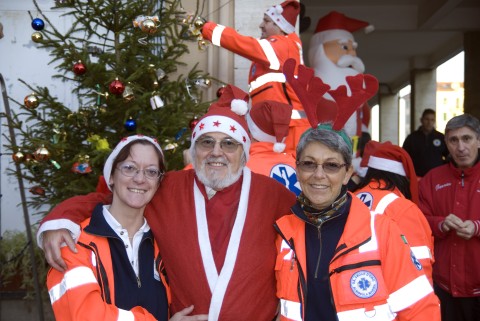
(31, 101)
(18, 157)
(148, 26)
(37, 36)
(199, 22)
(202, 45)
(41, 154)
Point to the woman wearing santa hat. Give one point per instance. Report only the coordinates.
(390, 187)
(337, 260)
(117, 272)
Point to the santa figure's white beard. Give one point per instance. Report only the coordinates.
(334, 76)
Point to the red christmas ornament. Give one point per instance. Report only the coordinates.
(79, 68)
(116, 87)
(37, 190)
(220, 91)
(193, 123)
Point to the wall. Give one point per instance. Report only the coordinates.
(20, 59)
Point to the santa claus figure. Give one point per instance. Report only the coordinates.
(333, 56)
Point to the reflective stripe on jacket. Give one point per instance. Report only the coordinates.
(86, 291)
(372, 274)
(407, 215)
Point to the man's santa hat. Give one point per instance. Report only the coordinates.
(268, 121)
(226, 115)
(394, 159)
(285, 15)
(336, 25)
(107, 168)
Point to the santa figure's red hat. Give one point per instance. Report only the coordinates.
(285, 15)
(336, 25)
(226, 115)
(394, 159)
(268, 121)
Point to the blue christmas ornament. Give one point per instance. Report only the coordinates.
(38, 24)
(180, 133)
(130, 124)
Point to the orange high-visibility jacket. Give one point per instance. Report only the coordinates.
(266, 79)
(86, 291)
(373, 275)
(411, 221)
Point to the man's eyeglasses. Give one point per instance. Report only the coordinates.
(130, 170)
(228, 145)
(328, 167)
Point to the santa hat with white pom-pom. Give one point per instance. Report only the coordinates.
(285, 15)
(268, 121)
(226, 115)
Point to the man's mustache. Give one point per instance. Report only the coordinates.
(349, 61)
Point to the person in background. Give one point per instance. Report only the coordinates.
(390, 187)
(116, 273)
(450, 200)
(337, 260)
(426, 146)
(278, 42)
(268, 123)
(213, 223)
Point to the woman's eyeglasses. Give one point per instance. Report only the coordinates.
(228, 145)
(130, 171)
(328, 167)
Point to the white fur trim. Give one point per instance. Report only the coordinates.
(282, 23)
(388, 165)
(218, 283)
(57, 224)
(239, 106)
(279, 147)
(333, 34)
(107, 168)
(257, 133)
(222, 124)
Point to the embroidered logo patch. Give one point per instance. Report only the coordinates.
(366, 198)
(437, 142)
(415, 261)
(286, 175)
(364, 284)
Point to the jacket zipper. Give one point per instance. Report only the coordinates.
(463, 176)
(319, 234)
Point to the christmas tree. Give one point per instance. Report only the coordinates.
(123, 58)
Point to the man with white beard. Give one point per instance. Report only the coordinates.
(333, 56)
(213, 223)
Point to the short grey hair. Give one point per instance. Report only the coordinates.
(465, 120)
(328, 138)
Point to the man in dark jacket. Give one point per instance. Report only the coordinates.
(426, 146)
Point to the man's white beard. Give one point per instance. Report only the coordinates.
(335, 75)
(214, 182)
